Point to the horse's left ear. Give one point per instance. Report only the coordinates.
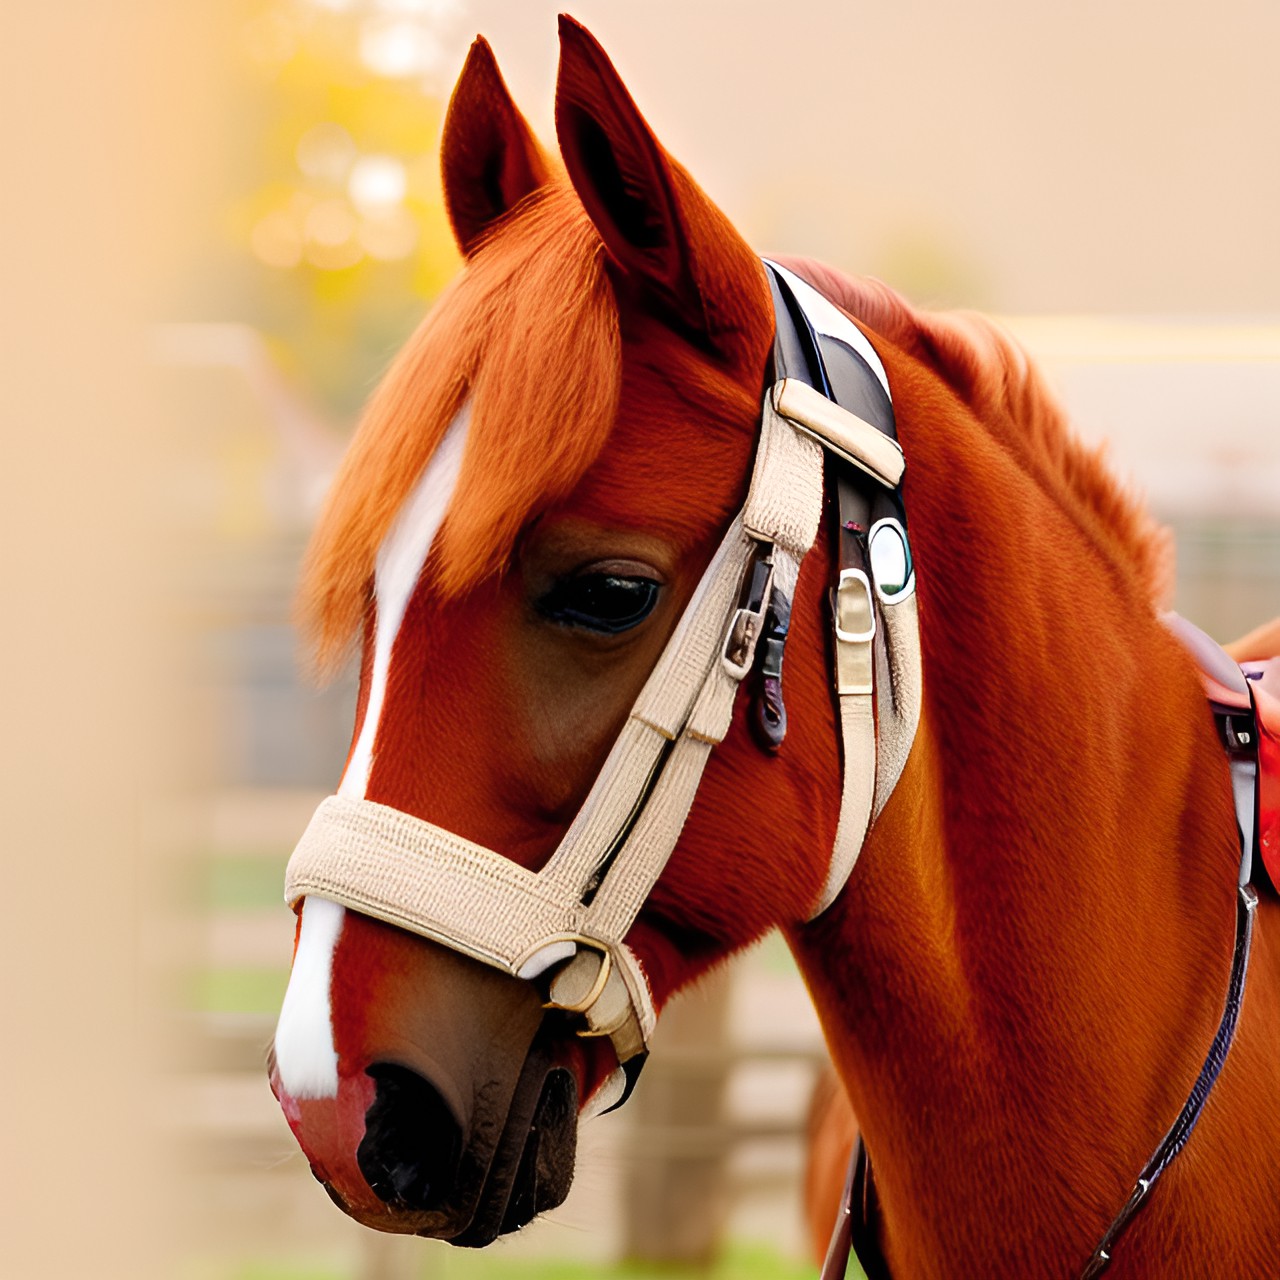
(656, 222)
(489, 156)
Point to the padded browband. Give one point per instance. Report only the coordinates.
(430, 881)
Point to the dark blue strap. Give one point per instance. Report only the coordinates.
(1176, 1138)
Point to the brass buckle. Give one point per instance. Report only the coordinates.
(583, 1003)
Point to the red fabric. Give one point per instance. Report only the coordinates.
(1266, 695)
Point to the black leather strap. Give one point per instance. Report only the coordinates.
(858, 1226)
(824, 362)
(857, 1229)
(840, 373)
(1180, 1131)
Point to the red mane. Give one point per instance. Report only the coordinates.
(529, 331)
(538, 299)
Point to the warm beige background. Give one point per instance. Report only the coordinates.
(1027, 157)
(1022, 156)
(98, 106)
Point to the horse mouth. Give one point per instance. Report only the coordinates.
(472, 1203)
(394, 1154)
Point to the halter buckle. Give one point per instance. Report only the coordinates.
(576, 987)
(855, 614)
(739, 653)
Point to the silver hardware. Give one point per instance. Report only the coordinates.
(855, 612)
(892, 573)
(739, 653)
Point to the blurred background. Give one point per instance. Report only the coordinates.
(220, 219)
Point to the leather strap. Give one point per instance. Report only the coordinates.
(857, 1228)
(1181, 1129)
(876, 639)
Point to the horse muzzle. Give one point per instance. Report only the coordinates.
(456, 1102)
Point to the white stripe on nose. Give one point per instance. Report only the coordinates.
(400, 561)
(306, 1057)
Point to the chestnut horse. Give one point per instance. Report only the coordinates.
(1022, 976)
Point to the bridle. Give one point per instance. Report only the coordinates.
(826, 410)
(827, 421)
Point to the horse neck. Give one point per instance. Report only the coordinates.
(1022, 977)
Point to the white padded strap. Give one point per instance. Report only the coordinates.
(879, 687)
(897, 697)
(855, 630)
(858, 746)
(844, 433)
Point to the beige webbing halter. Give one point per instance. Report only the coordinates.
(580, 906)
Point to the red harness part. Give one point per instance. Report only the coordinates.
(1264, 682)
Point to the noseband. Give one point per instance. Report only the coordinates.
(827, 419)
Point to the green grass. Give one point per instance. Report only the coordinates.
(237, 990)
(738, 1262)
(243, 882)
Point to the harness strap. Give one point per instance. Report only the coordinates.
(854, 615)
(428, 880)
(567, 923)
(831, 386)
(1233, 699)
(1180, 1130)
(858, 1226)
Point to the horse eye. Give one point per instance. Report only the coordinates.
(601, 602)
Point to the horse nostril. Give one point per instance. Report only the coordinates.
(412, 1141)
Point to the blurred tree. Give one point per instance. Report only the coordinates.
(336, 238)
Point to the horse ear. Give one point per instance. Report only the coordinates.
(489, 156)
(656, 222)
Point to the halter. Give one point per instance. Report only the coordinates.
(826, 412)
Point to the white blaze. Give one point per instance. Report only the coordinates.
(400, 561)
(306, 1057)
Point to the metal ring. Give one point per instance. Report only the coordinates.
(909, 584)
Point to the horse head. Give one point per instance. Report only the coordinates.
(528, 507)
